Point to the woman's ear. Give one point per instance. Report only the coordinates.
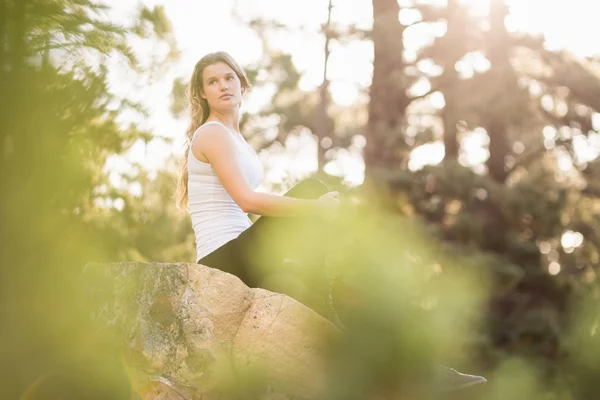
(202, 94)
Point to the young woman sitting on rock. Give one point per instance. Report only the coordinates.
(218, 182)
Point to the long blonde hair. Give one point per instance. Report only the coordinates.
(200, 111)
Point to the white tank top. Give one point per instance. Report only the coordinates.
(216, 217)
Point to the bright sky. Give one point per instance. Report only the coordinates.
(203, 26)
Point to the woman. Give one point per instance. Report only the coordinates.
(219, 176)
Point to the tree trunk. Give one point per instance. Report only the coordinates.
(501, 77)
(386, 149)
(323, 123)
(502, 81)
(323, 126)
(450, 81)
(498, 148)
(450, 122)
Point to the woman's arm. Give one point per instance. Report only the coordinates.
(216, 145)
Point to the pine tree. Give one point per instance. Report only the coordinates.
(60, 123)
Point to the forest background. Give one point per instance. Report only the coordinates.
(476, 122)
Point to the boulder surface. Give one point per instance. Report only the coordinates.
(187, 331)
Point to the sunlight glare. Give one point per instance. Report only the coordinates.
(427, 154)
(479, 7)
(554, 268)
(474, 146)
(566, 24)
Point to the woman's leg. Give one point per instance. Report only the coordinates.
(282, 254)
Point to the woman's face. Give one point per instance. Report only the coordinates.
(222, 87)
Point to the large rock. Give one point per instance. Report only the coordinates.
(187, 331)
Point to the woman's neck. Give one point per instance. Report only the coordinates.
(230, 120)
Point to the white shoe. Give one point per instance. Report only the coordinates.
(449, 379)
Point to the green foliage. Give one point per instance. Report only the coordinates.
(179, 98)
(147, 227)
(521, 209)
(60, 124)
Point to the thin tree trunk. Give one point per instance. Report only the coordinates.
(46, 54)
(450, 81)
(323, 123)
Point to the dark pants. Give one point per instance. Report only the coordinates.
(283, 254)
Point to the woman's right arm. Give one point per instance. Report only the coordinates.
(216, 145)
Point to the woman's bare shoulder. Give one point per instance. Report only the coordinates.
(210, 136)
